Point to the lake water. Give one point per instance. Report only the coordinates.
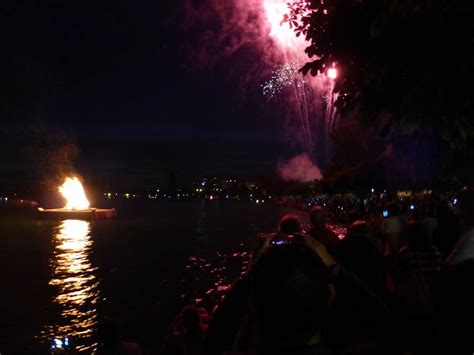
(59, 279)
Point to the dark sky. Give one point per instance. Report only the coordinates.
(115, 80)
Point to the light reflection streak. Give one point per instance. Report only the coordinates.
(77, 286)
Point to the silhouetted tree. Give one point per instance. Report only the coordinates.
(404, 66)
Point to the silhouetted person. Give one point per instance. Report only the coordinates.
(358, 253)
(289, 301)
(454, 293)
(393, 230)
(455, 307)
(280, 306)
(448, 230)
(320, 231)
(418, 265)
(420, 255)
(187, 332)
(464, 249)
(289, 224)
(430, 218)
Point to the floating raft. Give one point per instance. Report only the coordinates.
(88, 214)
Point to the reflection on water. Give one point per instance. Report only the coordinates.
(78, 288)
(209, 278)
(210, 275)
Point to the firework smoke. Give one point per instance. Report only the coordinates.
(299, 168)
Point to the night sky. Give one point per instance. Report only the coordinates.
(118, 81)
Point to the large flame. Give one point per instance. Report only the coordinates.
(73, 192)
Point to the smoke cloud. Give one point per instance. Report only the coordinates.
(299, 168)
(220, 31)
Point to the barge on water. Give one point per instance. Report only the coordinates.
(86, 214)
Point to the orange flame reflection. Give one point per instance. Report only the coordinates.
(78, 287)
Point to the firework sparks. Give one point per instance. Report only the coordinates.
(312, 98)
(284, 77)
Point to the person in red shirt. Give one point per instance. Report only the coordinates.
(320, 231)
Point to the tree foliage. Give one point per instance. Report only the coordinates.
(404, 66)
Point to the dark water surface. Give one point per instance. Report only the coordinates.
(59, 279)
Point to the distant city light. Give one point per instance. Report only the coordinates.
(372, 190)
(58, 343)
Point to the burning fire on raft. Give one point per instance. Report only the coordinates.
(77, 205)
(73, 192)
